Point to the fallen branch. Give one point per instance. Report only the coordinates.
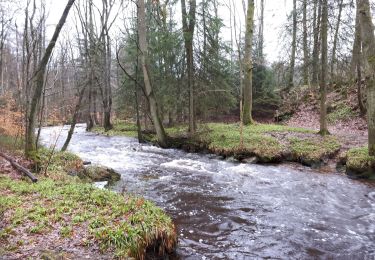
(19, 167)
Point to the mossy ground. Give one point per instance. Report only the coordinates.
(115, 223)
(311, 150)
(358, 162)
(61, 212)
(120, 127)
(268, 142)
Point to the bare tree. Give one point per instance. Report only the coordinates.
(305, 46)
(39, 82)
(368, 43)
(294, 47)
(316, 44)
(324, 70)
(248, 66)
(188, 26)
(356, 63)
(143, 46)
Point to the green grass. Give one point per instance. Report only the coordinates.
(257, 139)
(225, 138)
(120, 127)
(58, 163)
(313, 150)
(261, 140)
(359, 160)
(126, 225)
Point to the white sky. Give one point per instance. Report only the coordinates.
(275, 17)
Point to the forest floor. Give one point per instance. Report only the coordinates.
(343, 120)
(64, 217)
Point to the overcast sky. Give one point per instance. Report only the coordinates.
(275, 17)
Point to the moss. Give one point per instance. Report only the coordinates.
(268, 142)
(126, 225)
(313, 151)
(120, 127)
(359, 162)
(226, 139)
(58, 163)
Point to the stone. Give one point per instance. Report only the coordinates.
(251, 160)
(99, 173)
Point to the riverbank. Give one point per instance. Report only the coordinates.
(65, 216)
(262, 143)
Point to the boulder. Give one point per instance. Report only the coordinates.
(99, 173)
(251, 160)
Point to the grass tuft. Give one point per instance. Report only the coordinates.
(126, 225)
(359, 161)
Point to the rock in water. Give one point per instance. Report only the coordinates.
(99, 173)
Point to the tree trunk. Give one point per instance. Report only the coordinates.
(188, 24)
(294, 46)
(368, 44)
(162, 138)
(305, 46)
(248, 66)
(356, 63)
(75, 118)
(324, 72)
(315, 59)
(335, 39)
(261, 34)
(39, 82)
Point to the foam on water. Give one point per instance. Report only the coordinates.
(239, 211)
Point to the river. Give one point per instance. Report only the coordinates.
(229, 210)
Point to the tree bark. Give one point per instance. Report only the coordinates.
(75, 118)
(188, 25)
(39, 82)
(315, 58)
(356, 63)
(248, 66)
(261, 34)
(294, 47)
(324, 72)
(160, 133)
(335, 39)
(305, 46)
(368, 44)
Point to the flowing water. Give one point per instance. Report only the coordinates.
(228, 210)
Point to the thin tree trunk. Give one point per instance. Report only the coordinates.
(368, 44)
(248, 66)
(305, 46)
(162, 138)
(39, 81)
(294, 47)
(188, 24)
(316, 48)
(75, 118)
(261, 34)
(324, 72)
(335, 39)
(356, 64)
